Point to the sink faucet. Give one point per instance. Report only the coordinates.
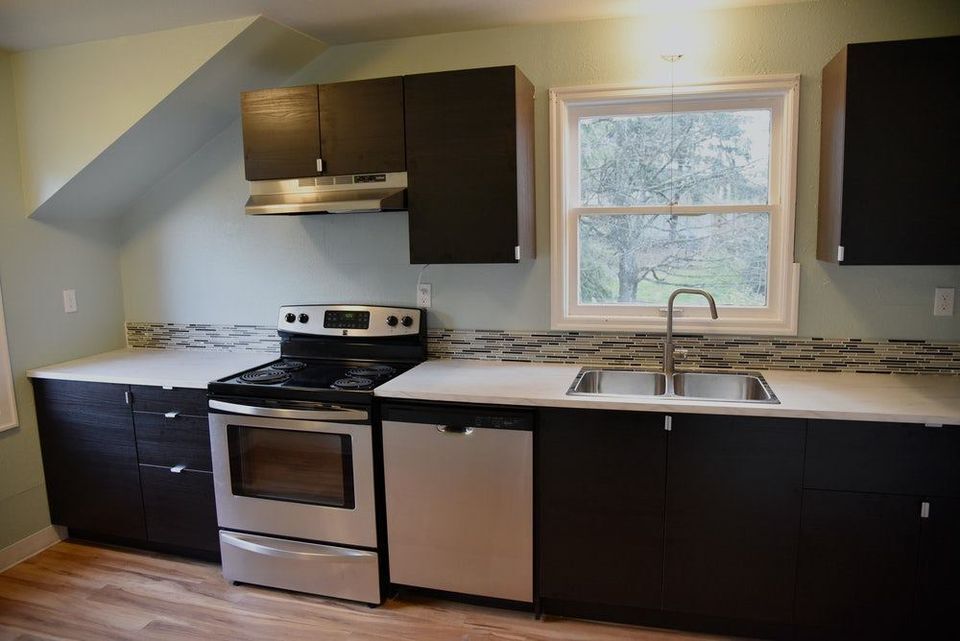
(668, 342)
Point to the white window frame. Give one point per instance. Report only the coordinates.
(779, 93)
(8, 400)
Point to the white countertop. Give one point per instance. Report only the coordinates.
(867, 397)
(158, 367)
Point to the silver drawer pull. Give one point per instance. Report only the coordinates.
(450, 429)
(172, 414)
(176, 469)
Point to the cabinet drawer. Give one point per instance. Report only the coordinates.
(180, 508)
(181, 440)
(890, 458)
(158, 399)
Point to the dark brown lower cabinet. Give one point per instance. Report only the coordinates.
(938, 589)
(732, 516)
(858, 565)
(601, 479)
(179, 507)
(90, 458)
(108, 468)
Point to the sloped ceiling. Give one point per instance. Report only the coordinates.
(34, 24)
(262, 53)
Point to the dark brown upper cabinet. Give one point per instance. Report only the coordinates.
(333, 130)
(361, 127)
(281, 132)
(470, 170)
(888, 186)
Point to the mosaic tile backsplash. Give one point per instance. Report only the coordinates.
(625, 349)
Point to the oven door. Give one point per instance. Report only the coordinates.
(302, 473)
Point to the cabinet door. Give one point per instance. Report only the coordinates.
(857, 565)
(361, 127)
(470, 192)
(90, 458)
(938, 597)
(601, 490)
(899, 153)
(180, 508)
(732, 517)
(281, 132)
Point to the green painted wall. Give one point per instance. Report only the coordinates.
(37, 262)
(109, 85)
(194, 223)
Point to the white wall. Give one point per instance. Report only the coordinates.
(190, 254)
(37, 262)
(74, 101)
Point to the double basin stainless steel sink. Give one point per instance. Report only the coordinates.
(743, 387)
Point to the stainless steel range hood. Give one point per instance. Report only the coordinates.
(329, 195)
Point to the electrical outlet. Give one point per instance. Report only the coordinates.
(69, 301)
(424, 295)
(943, 301)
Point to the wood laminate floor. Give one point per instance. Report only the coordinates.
(82, 592)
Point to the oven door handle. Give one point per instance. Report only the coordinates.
(330, 413)
(293, 550)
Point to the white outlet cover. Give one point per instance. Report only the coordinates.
(69, 301)
(943, 300)
(424, 295)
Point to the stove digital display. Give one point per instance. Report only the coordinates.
(339, 319)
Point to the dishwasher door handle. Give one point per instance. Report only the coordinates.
(453, 429)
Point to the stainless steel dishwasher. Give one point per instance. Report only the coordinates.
(459, 494)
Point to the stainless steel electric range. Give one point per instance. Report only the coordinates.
(294, 444)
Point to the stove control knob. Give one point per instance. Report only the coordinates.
(407, 321)
(290, 317)
(304, 318)
(392, 321)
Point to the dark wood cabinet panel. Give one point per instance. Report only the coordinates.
(732, 516)
(182, 440)
(938, 597)
(892, 458)
(192, 402)
(90, 457)
(601, 480)
(281, 132)
(888, 187)
(858, 565)
(361, 126)
(469, 141)
(180, 508)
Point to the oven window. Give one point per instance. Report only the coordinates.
(289, 465)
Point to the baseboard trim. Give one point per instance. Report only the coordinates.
(28, 546)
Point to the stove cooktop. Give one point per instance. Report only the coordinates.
(316, 375)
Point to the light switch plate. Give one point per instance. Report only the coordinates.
(69, 301)
(943, 301)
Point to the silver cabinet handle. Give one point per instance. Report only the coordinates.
(293, 550)
(172, 414)
(176, 469)
(448, 429)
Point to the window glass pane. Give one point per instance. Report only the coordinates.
(691, 158)
(640, 259)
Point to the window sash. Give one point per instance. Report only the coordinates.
(8, 401)
(568, 106)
